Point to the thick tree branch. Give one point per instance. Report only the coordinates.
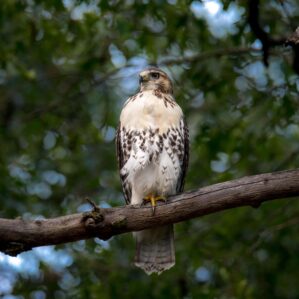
(17, 235)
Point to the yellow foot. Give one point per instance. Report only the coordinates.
(153, 199)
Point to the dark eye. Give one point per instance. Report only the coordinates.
(155, 75)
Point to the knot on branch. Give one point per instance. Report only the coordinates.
(95, 224)
(94, 218)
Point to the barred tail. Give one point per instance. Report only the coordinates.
(155, 249)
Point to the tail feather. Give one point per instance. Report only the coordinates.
(155, 249)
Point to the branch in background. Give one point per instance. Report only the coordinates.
(254, 22)
(207, 55)
(293, 41)
(268, 41)
(17, 235)
(167, 62)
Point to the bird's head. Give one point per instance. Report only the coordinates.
(153, 78)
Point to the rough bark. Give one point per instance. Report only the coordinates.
(17, 235)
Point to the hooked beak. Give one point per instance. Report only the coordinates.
(141, 79)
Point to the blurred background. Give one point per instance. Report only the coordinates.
(67, 67)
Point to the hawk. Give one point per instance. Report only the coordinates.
(152, 149)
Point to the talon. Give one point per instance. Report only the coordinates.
(153, 199)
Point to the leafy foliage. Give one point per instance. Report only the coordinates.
(66, 68)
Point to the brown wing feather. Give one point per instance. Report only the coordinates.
(185, 160)
(122, 159)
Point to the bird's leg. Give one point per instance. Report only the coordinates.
(153, 199)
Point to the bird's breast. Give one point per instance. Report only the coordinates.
(150, 111)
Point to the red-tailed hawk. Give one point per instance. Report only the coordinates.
(152, 148)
